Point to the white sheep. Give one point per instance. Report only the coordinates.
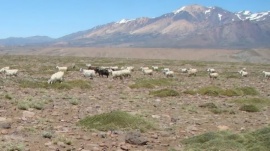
(11, 72)
(192, 72)
(126, 72)
(169, 74)
(117, 74)
(148, 72)
(243, 73)
(88, 73)
(155, 68)
(61, 68)
(88, 65)
(144, 68)
(266, 74)
(114, 68)
(165, 70)
(131, 68)
(211, 70)
(184, 70)
(3, 69)
(213, 75)
(58, 76)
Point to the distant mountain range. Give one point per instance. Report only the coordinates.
(192, 26)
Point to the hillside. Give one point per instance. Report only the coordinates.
(192, 26)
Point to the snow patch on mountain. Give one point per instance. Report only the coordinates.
(123, 21)
(219, 16)
(179, 10)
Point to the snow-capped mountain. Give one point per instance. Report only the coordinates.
(188, 26)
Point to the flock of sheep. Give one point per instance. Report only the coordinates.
(123, 72)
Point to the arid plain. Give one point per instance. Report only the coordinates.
(37, 116)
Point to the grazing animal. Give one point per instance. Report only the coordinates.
(192, 72)
(165, 70)
(102, 72)
(155, 68)
(58, 76)
(148, 72)
(266, 74)
(126, 73)
(61, 68)
(88, 73)
(114, 68)
(117, 74)
(213, 75)
(211, 70)
(243, 73)
(184, 70)
(88, 65)
(169, 74)
(144, 68)
(11, 72)
(3, 69)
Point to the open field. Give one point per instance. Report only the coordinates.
(38, 117)
(223, 55)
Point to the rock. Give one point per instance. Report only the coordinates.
(135, 138)
(125, 147)
(28, 114)
(5, 125)
(223, 127)
(61, 144)
(156, 116)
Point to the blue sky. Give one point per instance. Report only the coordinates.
(56, 18)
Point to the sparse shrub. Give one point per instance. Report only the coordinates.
(64, 85)
(164, 93)
(232, 92)
(23, 105)
(47, 134)
(249, 91)
(63, 139)
(74, 101)
(249, 108)
(150, 83)
(26, 104)
(218, 110)
(191, 92)
(7, 96)
(208, 105)
(39, 105)
(115, 120)
(211, 91)
(12, 146)
(259, 103)
(217, 91)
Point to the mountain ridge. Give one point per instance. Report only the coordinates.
(190, 26)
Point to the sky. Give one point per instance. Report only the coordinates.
(57, 18)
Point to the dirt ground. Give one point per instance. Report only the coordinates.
(223, 55)
(176, 117)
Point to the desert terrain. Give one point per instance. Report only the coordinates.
(222, 55)
(36, 116)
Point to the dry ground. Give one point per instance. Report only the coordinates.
(224, 55)
(176, 118)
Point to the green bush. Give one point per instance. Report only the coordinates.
(217, 91)
(150, 83)
(209, 105)
(82, 84)
(115, 120)
(249, 108)
(225, 140)
(164, 93)
(211, 91)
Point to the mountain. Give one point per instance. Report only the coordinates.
(192, 26)
(34, 40)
